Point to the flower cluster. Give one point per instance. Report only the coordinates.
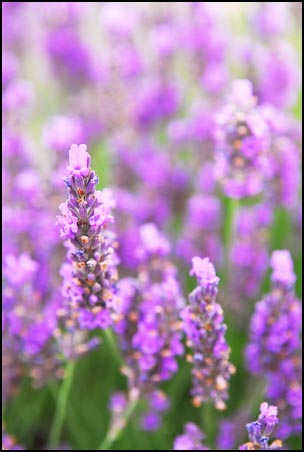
(203, 323)
(242, 140)
(148, 323)
(90, 271)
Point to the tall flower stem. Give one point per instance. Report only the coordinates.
(61, 405)
(228, 234)
(115, 431)
(207, 419)
(112, 345)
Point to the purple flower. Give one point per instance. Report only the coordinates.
(60, 131)
(242, 142)
(80, 160)
(279, 79)
(205, 332)
(268, 417)
(70, 57)
(271, 19)
(118, 402)
(151, 421)
(204, 272)
(260, 430)
(9, 442)
(191, 439)
(282, 266)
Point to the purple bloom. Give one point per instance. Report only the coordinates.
(80, 160)
(279, 79)
(204, 272)
(268, 417)
(70, 58)
(271, 19)
(118, 402)
(9, 442)
(205, 332)
(191, 439)
(60, 131)
(156, 101)
(151, 421)
(282, 266)
(260, 430)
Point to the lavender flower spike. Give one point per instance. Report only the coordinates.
(260, 430)
(90, 271)
(203, 324)
(274, 349)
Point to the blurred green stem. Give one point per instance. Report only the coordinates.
(229, 231)
(61, 405)
(115, 431)
(111, 343)
(207, 420)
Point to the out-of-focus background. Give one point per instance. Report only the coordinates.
(129, 78)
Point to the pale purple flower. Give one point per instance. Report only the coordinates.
(80, 160)
(60, 131)
(260, 430)
(191, 439)
(282, 265)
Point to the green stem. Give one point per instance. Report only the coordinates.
(207, 419)
(115, 432)
(61, 405)
(111, 342)
(229, 230)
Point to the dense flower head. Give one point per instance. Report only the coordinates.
(203, 323)
(90, 272)
(191, 439)
(260, 430)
